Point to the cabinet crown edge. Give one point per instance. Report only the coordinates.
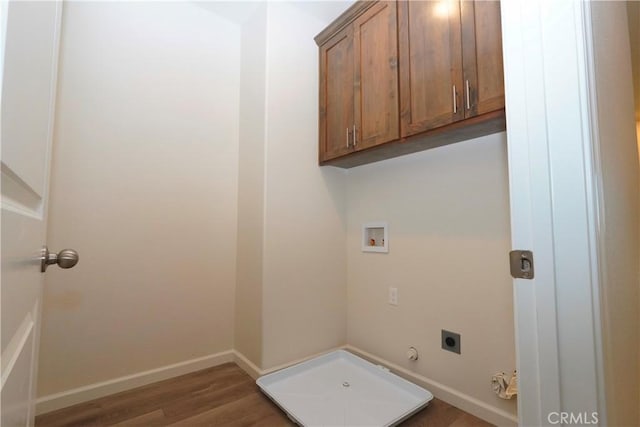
(346, 18)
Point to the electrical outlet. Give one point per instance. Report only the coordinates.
(393, 296)
(451, 341)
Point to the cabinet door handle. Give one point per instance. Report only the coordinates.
(455, 101)
(348, 145)
(468, 95)
(355, 139)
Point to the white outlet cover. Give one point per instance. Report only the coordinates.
(393, 296)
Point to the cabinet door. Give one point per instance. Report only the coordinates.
(376, 79)
(336, 95)
(482, 57)
(430, 65)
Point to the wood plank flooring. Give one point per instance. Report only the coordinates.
(221, 396)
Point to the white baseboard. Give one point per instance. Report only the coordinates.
(247, 365)
(94, 391)
(255, 372)
(453, 397)
(56, 401)
(74, 396)
(302, 359)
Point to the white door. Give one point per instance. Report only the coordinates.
(29, 52)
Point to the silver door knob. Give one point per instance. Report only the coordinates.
(66, 258)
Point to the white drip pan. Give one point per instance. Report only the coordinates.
(341, 389)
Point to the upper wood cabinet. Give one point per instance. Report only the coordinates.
(375, 35)
(482, 56)
(337, 74)
(430, 64)
(450, 62)
(399, 77)
(359, 95)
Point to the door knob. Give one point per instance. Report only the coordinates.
(66, 258)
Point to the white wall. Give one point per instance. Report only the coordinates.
(449, 239)
(291, 287)
(304, 294)
(248, 309)
(144, 186)
(620, 228)
(633, 12)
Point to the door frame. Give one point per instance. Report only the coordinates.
(556, 207)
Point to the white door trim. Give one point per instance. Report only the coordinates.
(553, 207)
(528, 169)
(595, 199)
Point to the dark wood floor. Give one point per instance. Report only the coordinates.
(220, 396)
